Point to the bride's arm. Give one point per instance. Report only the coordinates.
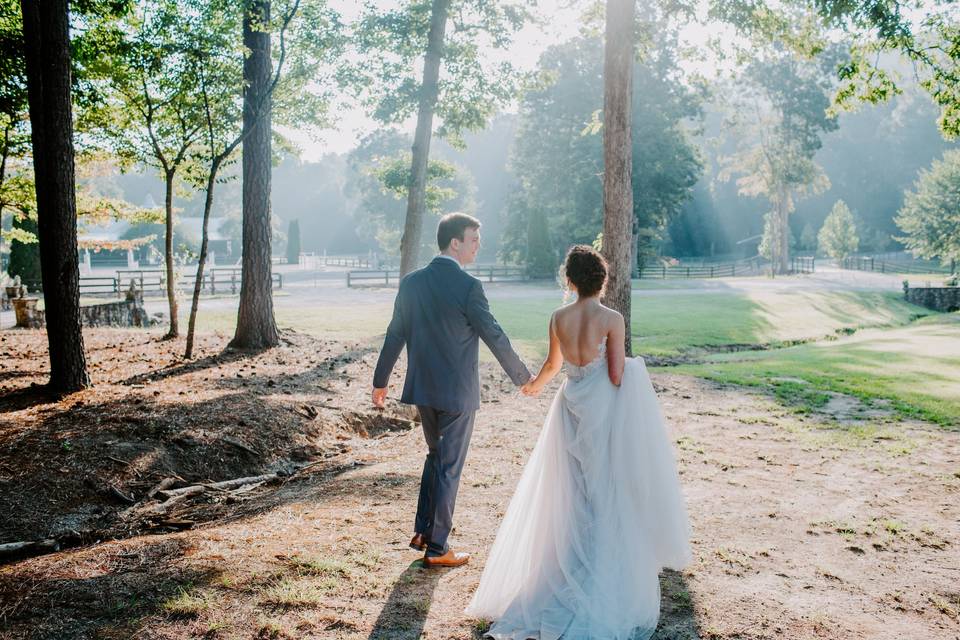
(616, 350)
(551, 366)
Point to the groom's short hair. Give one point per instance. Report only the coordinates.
(452, 226)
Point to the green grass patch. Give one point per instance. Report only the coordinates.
(320, 566)
(669, 318)
(678, 321)
(188, 604)
(916, 368)
(289, 592)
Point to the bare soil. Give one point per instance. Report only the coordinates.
(805, 526)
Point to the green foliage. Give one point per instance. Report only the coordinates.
(557, 155)
(394, 175)
(25, 251)
(927, 34)
(541, 258)
(293, 242)
(779, 113)
(770, 241)
(838, 236)
(174, 84)
(391, 44)
(380, 176)
(808, 238)
(930, 216)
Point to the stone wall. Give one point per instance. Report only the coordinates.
(125, 313)
(942, 299)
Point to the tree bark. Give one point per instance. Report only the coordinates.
(417, 197)
(3, 174)
(174, 330)
(256, 326)
(47, 53)
(787, 207)
(617, 156)
(202, 260)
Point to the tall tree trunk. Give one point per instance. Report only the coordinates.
(417, 197)
(3, 175)
(47, 52)
(617, 156)
(202, 261)
(256, 326)
(787, 207)
(168, 256)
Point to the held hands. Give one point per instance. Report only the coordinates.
(378, 397)
(530, 388)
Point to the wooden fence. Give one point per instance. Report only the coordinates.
(869, 263)
(389, 277)
(154, 282)
(720, 270)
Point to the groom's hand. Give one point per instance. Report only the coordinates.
(379, 396)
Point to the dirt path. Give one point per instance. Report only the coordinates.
(802, 529)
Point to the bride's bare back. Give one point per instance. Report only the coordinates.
(577, 332)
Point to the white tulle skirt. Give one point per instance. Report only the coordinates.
(596, 515)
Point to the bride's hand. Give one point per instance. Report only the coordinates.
(529, 389)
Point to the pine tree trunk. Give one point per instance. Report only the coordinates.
(781, 264)
(617, 156)
(785, 234)
(3, 174)
(168, 258)
(256, 326)
(417, 197)
(46, 35)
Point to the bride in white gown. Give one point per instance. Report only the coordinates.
(598, 510)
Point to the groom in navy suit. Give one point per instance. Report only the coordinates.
(440, 314)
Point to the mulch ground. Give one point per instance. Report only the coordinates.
(804, 527)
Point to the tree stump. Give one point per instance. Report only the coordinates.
(28, 316)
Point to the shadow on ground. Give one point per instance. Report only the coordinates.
(405, 613)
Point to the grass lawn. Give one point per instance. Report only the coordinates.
(916, 367)
(683, 321)
(673, 322)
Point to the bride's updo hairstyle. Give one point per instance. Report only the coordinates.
(586, 269)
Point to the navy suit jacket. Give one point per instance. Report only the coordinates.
(440, 314)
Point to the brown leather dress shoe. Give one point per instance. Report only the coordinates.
(450, 559)
(419, 542)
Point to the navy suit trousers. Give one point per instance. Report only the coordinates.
(448, 438)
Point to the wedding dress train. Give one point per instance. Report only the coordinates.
(597, 513)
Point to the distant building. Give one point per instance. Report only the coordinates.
(188, 230)
(218, 239)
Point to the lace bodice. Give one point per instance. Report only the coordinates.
(579, 372)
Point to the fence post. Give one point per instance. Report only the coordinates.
(233, 282)
(348, 279)
(663, 269)
(386, 277)
(213, 282)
